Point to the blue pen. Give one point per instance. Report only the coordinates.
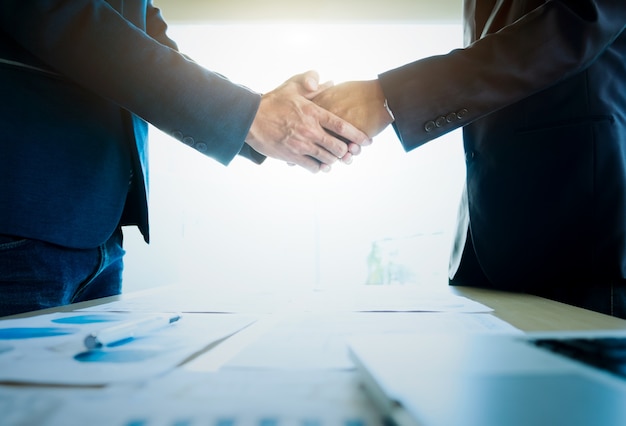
(128, 330)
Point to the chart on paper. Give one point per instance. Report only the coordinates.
(242, 421)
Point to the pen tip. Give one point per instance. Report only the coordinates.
(91, 342)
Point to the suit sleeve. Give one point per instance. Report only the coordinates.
(435, 95)
(91, 44)
(157, 28)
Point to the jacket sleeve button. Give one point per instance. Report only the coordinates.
(429, 126)
(188, 140)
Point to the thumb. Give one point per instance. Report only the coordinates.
(311, 81)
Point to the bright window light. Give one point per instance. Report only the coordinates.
(386, 219)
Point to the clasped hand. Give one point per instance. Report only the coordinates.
(289, 126)
(361, 103)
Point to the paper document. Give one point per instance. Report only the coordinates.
(319, 341)
(362, 298)
(200, 300)
(390, 298)
(229, 398)
(50, 349)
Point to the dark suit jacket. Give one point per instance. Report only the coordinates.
(541, 92)
(78, 81)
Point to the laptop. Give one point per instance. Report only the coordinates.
(535, 379)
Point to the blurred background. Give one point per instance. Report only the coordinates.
(425, 11)
(386, 219)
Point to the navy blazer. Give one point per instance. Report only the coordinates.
(541, 92)
(78, 81)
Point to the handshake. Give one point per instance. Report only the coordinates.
(314, 125)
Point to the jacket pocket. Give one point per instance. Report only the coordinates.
(554, 125)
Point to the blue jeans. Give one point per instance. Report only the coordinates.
(37, 275)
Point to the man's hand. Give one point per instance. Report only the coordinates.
(289, 126)
(362, 103)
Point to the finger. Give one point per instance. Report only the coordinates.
(309, 80)
(354, 149)
(330, 149)
(343, 129)
(320, 88)
(347, 159)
